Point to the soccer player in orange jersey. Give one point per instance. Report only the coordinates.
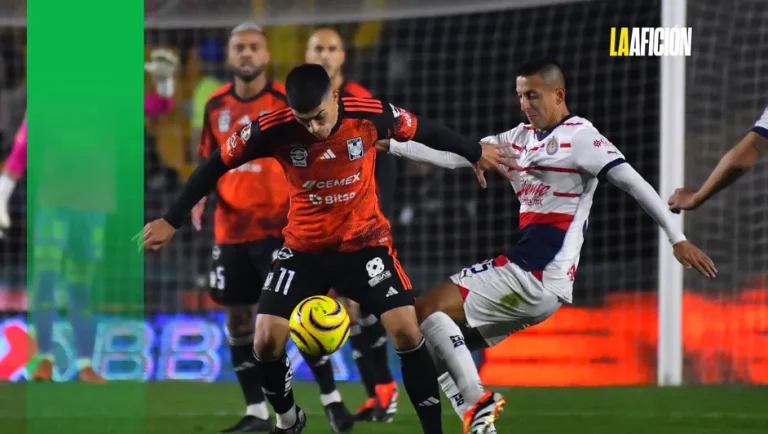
(336, 235)
(367, 336)
(251, 212)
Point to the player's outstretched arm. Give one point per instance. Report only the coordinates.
(736, 162)
(416, 151)
(401, 125)
(248, 144)
(595, 155)
(203, 180)
(482, 156)
(626, 178)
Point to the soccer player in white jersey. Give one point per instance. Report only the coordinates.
(734, 163)
(559, 159)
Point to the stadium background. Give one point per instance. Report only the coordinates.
(456, 69)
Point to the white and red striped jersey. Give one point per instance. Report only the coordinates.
(761, 125)
(558, 179)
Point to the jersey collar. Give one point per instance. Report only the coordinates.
(266, 89)
(541, 135)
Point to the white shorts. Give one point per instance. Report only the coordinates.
(500, 298)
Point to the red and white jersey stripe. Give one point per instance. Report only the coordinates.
(559, 174)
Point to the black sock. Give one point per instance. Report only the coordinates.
(277, 382)
(420, 380)
(246, 368)
(323, 370)
(377, 338)
(361, 352)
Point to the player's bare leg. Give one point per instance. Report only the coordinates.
(418, 369)
(270, 337)
(240, 336)
(381, 404)
(438, 312)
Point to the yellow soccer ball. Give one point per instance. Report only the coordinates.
(319, 326)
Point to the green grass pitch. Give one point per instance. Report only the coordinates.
(179, 407)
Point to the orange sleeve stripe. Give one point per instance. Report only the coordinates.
(361, 104)
(356, 100)
(364, 109)
(273, 115)
(264, 125)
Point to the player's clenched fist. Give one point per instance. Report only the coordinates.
(683, 199)
(156, 234)
(692, 257)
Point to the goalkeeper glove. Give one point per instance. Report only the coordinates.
(161, 67)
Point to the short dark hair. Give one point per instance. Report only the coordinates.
(306, 86)
(548, 69)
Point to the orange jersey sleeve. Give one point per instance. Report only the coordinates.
(391, 122)
(256, 140)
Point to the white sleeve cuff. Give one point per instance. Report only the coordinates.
(627, 179)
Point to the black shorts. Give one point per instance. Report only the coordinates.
(239, 271)
(373, 277)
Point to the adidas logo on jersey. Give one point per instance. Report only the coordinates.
(245, 120)
(328, 155)
(392, 291)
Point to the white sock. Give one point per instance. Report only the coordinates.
(83, 363)
(287, 420)
(330, 398)
(445, 340)
(259, 410)
(460, 405)
(449, 386)
(7, 184)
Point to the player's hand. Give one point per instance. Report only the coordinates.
(683, 199)
(495, 157)
(197, 214)
(692, 257)
(155, 235)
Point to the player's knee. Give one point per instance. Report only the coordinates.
(240, 320)
(445, 298)
(427, 304)
(402, 327)
(270, 337)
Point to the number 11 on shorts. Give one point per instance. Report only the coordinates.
(283, 280)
